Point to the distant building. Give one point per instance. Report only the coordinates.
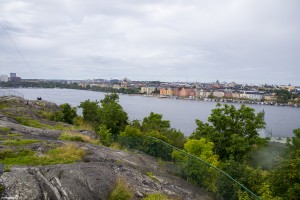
(13, 78)
(147, 90)
(3, 78)
(13, 75)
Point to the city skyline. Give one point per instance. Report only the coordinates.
(254, 42)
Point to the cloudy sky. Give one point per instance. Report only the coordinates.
(246, 41)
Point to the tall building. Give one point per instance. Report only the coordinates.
(13, 75)
(3, 78)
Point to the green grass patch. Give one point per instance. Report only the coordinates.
(121, 191)
(77, 137)
(157, 196)
(37, 124)
(5, 129)
(150, 175)
(61, 155)
(44, 114)
(19, 142)
(3, 105)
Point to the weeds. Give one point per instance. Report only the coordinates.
(77, 137)
(121, 191)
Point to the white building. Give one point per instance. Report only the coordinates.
(3, 78)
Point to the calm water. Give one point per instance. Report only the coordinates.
(181, 113)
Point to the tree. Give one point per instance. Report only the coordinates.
(233, 131)
(112, 114)
(154, 122)
(90, 111)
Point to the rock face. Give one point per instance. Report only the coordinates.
(75, 181)
(92, 178)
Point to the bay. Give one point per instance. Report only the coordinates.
(181, 113)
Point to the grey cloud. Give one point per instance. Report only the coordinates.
(161, 40)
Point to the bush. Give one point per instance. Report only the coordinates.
(121, 191)
(105, 136)
(66, 114)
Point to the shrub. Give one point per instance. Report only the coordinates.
(121, 191)
(105, 136)
(66, 114)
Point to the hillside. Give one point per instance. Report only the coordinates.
(37, 164)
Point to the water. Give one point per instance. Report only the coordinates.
(181, 113)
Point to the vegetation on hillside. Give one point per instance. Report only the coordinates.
(228, 140)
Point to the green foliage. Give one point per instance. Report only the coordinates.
(234, 132)
(200, 173)
(155, 126)
(110, 114)
(202, 149)
(66, 114)
(285, 179)
(105, 136)
(157, 196)
(61, 155)
(76, 137)
(121, 191)
(131, 131)
(90, 111)
(154, 122)
(19, 142)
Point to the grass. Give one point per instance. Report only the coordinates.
(150, 175)
(121, 191)
(69, 153)
(5, 129)
(77, 137)
(79, 123)
(157, 196)
(19, 142)
(37, 124)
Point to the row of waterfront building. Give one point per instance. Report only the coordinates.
(205, 93)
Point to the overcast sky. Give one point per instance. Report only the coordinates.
(246, 41)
